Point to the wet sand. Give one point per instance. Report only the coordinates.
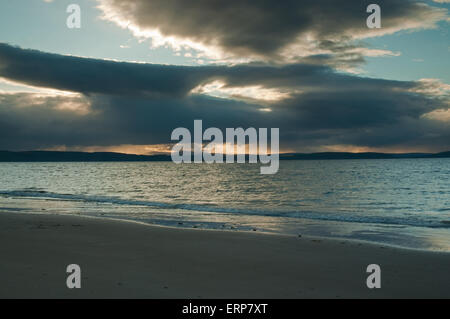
(128, 260)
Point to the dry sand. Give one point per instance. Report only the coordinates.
(130, 260)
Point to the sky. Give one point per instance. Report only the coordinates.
(137, 69)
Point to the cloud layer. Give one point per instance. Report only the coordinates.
(267, 30)
(114, 103)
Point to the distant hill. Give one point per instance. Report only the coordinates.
(46, 156)
(443, 154)
(344, 155)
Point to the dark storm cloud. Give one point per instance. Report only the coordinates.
(94, 76)
(89, 76)
(147, 102)
(264, 28)
(113, 120)
(28, 121)
(372, 117)
(357, 108)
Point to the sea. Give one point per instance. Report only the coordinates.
(398, 202)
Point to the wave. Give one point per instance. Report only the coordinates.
(418, 221)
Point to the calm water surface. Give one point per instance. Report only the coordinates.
(404, 202)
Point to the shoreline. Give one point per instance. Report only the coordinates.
(237, 230)
(130, 259)
(251, 230)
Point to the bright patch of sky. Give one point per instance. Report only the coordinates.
(41, 25)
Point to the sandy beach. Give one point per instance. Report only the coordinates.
(129, 260)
